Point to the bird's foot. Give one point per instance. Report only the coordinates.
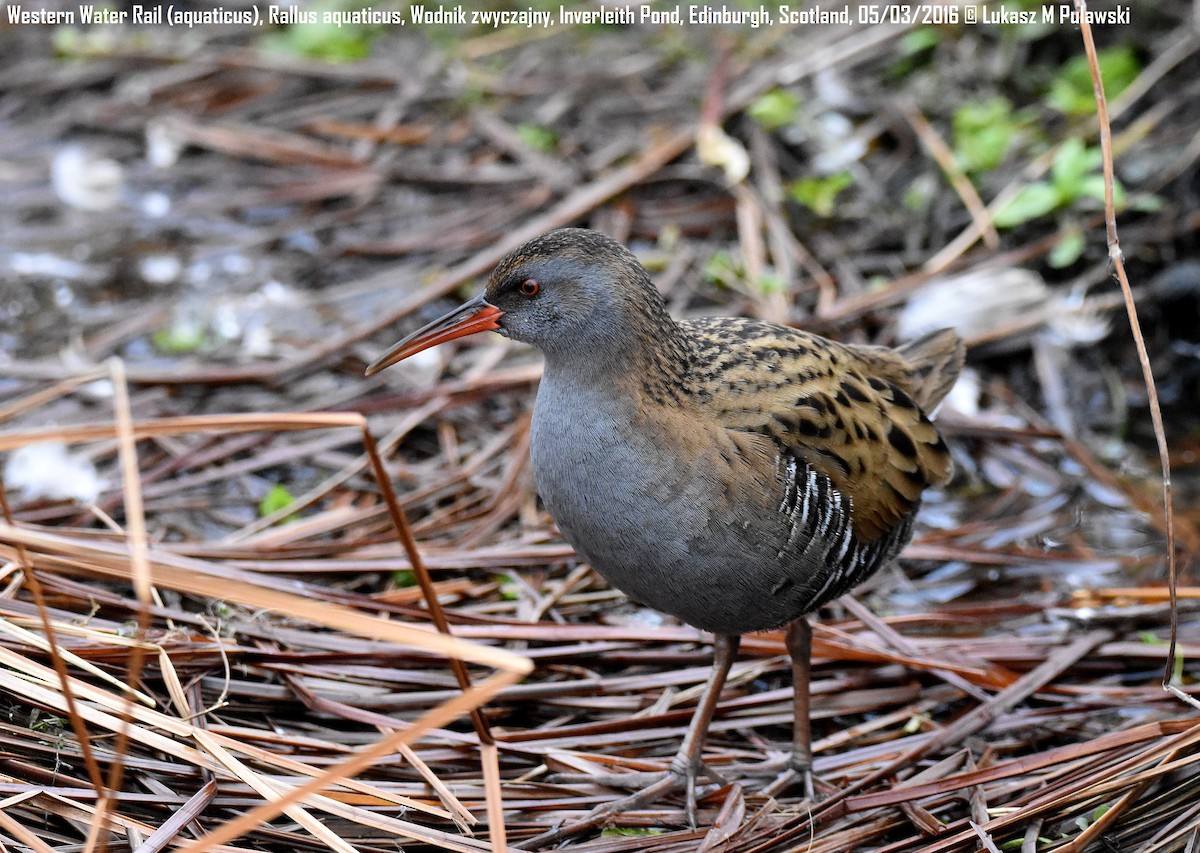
(686, 773)
(686, 767)
(680, 768)
(652, 787)
(797, 771)
(789, 777)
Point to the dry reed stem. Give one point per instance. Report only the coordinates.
(1116, 258)
(136, 562)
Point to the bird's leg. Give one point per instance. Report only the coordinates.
(689, 761)
(798, 639)
(686, 766)
(799, 646)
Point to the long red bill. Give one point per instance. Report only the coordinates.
(474, 316)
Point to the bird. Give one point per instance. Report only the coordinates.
(733, 473)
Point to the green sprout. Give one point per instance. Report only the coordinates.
(820, 194)
(774, 109)
(1073, 177)
(1071, 90)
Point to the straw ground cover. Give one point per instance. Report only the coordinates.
(231, 642)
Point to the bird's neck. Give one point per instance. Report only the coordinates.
(646, 355)
(664, 369)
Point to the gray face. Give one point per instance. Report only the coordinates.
(583, 300)
(560, 305)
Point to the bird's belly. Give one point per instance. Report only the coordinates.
(654, 516)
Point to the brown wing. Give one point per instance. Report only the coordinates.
(926, 368)
(842, 409)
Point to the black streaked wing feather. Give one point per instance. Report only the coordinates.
(826, 405)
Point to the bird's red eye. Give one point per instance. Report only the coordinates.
(529, 287)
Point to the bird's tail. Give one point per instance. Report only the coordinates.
(931, 365)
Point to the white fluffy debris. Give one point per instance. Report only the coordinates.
(85, 181)
(976, 303)
(994, 301)
(49, 472)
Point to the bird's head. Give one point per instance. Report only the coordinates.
(574, 294)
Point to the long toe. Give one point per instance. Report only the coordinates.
(801, 766)
(682, 774)
(796, 773)
(634, 780)
(688, 773)
(666, 783)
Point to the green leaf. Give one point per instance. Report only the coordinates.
(918, 40)
(919, 193)
(404, 578)
(1036, 199)
(1072, 161)
(820, 194)
(324, 41)
(1092, 186)
(510, 590)
(47, 723)
(1145, 202)
(775, 109)
(1068, 249)
(276, 499)
(628, 832)
(1071, 89)
(181, 337)
(537, 137)
(982, 133)
(329, 36)
(74, 43)
(721, 269)
(770, 283)
(1119, 67)
(916, 51)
